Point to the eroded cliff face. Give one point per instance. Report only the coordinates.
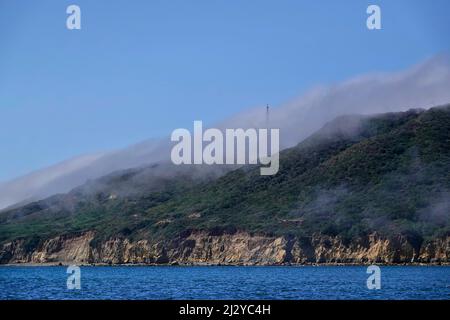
(233, 249)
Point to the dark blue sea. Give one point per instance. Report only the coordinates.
(171, 282)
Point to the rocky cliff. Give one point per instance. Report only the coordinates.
(378, 192)
(239, 248)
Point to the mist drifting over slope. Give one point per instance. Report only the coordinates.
(421, 86)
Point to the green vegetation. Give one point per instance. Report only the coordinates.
(390, 174)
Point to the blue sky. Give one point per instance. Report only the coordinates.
(139, 69)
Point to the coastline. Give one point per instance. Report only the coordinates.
(234, 249)
(66, 264)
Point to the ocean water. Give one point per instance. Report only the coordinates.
(171, 282)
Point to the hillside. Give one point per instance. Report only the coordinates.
(363, 188)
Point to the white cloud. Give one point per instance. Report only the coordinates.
(421, 86)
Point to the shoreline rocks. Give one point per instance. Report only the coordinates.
(239, 248)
